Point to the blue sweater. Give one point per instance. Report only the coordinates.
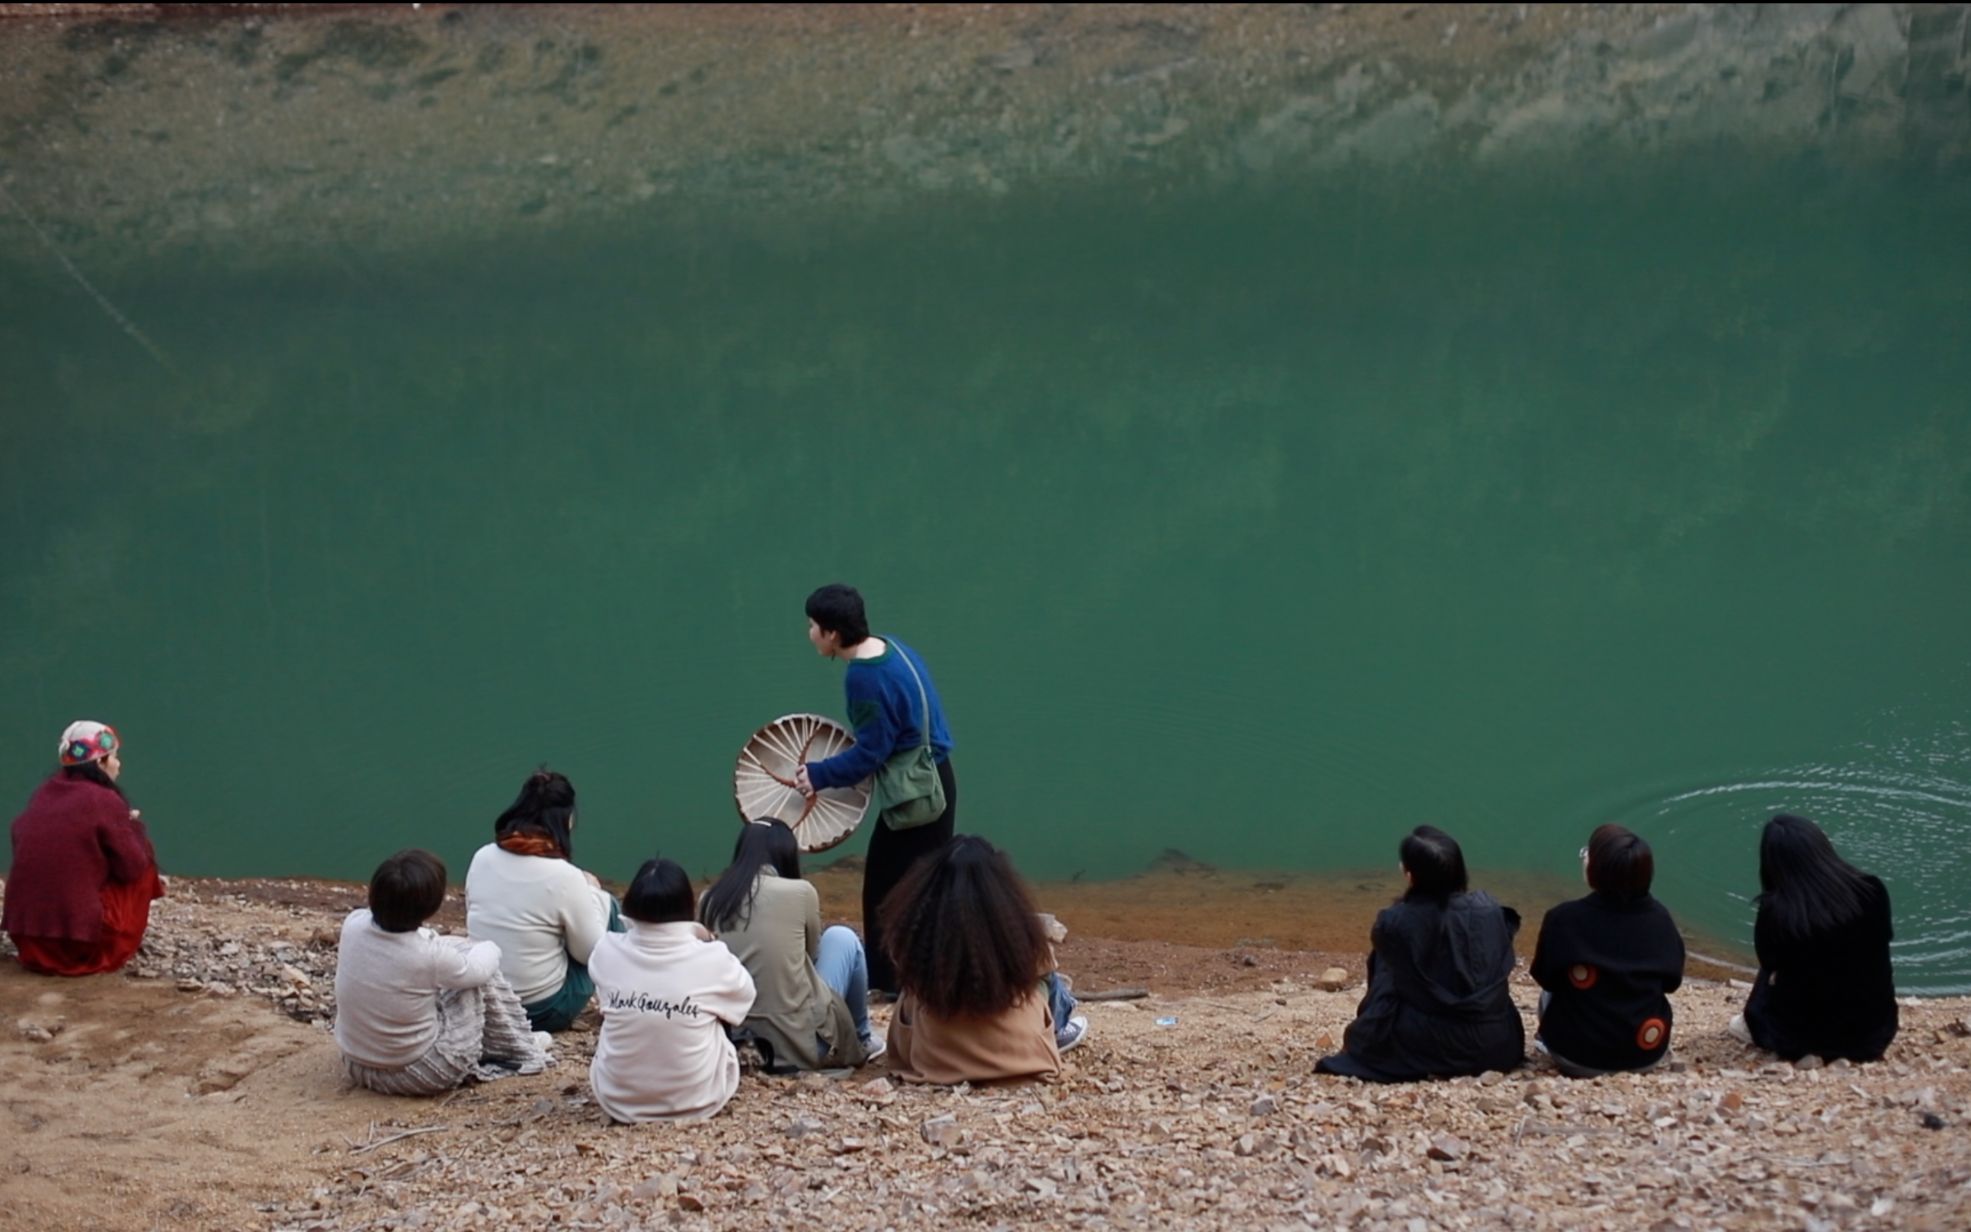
(883, 709)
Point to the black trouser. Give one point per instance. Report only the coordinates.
(891, 853)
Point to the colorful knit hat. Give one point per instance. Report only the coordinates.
(86, 741)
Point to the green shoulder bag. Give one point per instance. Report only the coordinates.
(909, 792)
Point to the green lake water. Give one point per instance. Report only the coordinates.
(1262, 522)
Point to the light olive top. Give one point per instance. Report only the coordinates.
(806, 1022)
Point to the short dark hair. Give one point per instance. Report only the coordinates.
(543, 808)
(962, 932)
(837, 609)
(1435, 862)
(660, 893)
(1619, 862)
(406, 890)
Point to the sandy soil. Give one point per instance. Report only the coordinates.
(201, 1090)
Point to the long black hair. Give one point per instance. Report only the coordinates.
(962, 931)
(1435, 862)
(766, 843)
(544, 807)
(1805, 886)
(93, 772)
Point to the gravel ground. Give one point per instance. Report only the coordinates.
(1197, 1109)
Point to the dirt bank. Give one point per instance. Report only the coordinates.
(187, 1094)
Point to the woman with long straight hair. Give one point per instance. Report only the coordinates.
(979, 991)
(1825, 986)
(524, 893)
(1437, 1004)
(811, 1003)
(84, 873)
(1608, 962)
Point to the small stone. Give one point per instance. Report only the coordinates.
(941, 1130)
(1325, 1042)
(1041, 1186)
(691, 1202)
(34, 1032)
(1265, 1105)
(1334, 979)
(190, 985)
(801, 1127)
(1808, 1062)
(1447, 1148)
(1931, 1121)
(1732, 1102)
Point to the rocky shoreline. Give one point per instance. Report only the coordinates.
(1195, 1107)
(277, 137)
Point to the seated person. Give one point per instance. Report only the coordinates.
(1607, 962)
(84, 872)
(524, 894)
(417, 1013)
(811, 1008)
(668, 990)
(972, 960)
(1825, 987)
(1437, 1004)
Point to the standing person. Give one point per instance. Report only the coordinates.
(811, 1006)
(1437, 1004)
(417, 1013)
(1608, 962)
(524, 894)
(84, 872)
(668, 990)
(978, 1003)
(1825, 986)
(888, 688)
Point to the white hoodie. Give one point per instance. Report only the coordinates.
(666, 992)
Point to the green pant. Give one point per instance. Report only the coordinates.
(557, 1013)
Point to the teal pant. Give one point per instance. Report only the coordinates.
(557, 1013)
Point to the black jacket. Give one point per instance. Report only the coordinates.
(1437, 1004)
(1831, 994)
(1608, 963)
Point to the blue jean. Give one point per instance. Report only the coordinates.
(844, 967)
(1059, 1000)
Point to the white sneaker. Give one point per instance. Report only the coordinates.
(1070, 1036)
(874, 1046)
(1739, 1031)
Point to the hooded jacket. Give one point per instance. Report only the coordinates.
(1437, 1004)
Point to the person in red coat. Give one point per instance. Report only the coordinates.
(84, 872)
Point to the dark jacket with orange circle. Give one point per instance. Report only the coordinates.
(1609, 963)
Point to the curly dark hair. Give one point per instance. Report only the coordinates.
(962, 931)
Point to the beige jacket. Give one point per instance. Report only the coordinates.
(1017, 1044)
(804, 1020)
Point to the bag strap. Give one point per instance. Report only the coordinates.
(922, 696)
